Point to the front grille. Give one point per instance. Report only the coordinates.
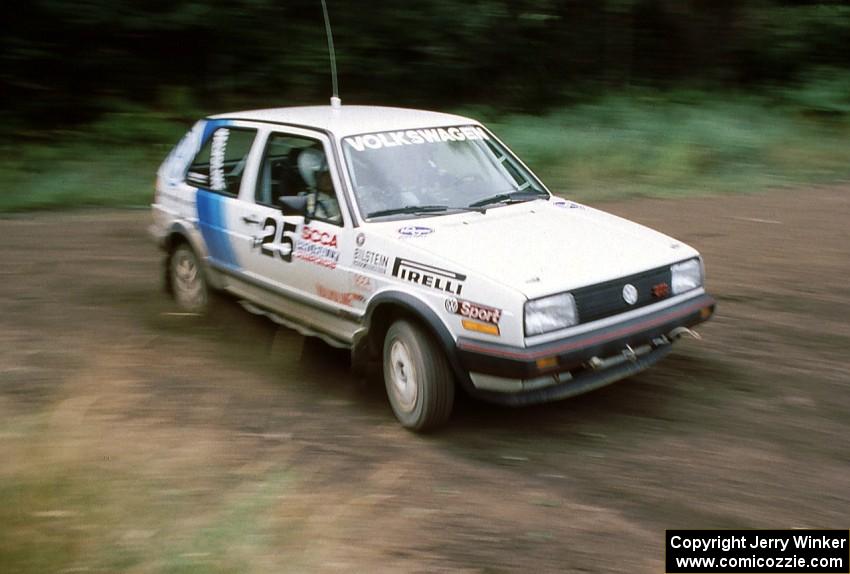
(606, 299)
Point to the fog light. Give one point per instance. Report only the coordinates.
(547, 362)
(480, 327)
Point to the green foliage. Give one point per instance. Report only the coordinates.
(678, 144)
(823, 91)
(111, 162)
(638, 143)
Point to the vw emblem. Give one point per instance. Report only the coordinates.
(361, 239)
(451, 305)
(630, 294)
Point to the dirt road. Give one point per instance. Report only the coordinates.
(134, 439)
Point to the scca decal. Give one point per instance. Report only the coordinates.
(416, 137)
(472, 310)
(318, 236)
(428, 276)
(317, 246)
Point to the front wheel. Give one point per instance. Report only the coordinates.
(419, 381)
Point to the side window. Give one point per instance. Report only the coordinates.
(297, 166)
(221, 162)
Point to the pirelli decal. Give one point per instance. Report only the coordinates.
(428, 276)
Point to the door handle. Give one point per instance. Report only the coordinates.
(251, 219)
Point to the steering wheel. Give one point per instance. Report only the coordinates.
(374, 198)
(323, 207)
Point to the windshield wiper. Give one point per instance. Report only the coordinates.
(415, 209)
(510, 197)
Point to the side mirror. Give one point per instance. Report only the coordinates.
(294, 205)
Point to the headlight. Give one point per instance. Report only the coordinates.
(686, 276)
(550, 314)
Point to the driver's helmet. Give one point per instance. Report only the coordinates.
(311, 161)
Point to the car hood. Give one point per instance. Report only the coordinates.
(539, 247)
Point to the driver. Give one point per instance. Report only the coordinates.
(321, 198)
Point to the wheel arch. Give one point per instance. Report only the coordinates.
(388, 306)
(182, 232)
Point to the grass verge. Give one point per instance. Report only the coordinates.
(647, 146)
(640, 144)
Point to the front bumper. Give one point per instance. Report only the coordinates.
(575, 354)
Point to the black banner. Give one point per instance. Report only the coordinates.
(758, 551)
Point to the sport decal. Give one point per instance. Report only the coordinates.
(370, 260)
(428, 276)
(337, 296)
(317, 246)
(416, 137)
(472, 310)
(414, 231)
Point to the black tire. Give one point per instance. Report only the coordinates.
(419, 382)
(187, 280)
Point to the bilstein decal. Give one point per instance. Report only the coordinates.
(416, 137)
(472, 310)
(428, 276)
(370, 260)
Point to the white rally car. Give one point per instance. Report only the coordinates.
(419, 240)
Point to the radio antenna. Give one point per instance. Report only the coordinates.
(335, 101)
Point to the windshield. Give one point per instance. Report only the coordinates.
(413, 172)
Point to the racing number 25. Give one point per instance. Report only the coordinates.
(287, 243)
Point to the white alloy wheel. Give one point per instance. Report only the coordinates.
(402, 376)
(419, 381)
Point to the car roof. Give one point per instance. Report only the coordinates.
(351, 120)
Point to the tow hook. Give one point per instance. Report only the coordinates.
(627, 354)
(680, 332)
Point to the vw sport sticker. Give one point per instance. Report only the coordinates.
(472, 310)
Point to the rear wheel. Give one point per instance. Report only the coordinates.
(419, 381)
(188, 283)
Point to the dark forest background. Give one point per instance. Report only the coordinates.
(70, 60)
(603, 98)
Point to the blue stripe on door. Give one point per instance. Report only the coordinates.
(213, 223)
(211, 213)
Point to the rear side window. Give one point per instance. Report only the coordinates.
(221, 162)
